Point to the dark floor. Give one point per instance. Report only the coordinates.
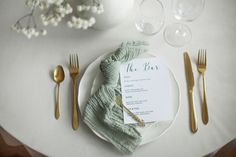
(19, 150)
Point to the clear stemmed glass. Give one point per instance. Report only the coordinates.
(150, 17)
(179, 34)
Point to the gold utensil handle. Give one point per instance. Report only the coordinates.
(57, 108)
(135, 117)
(205, 117)
(140, 121)
(75, 117)
(193, 119)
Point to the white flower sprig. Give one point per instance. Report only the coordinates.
(97, 9)
(81, 22)
(56, 12)
(31, 28)
(53, 13)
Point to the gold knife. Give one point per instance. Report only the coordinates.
(190, 84)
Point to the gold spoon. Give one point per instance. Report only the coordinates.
(58, 77)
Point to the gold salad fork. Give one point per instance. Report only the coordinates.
(74, 73)
(202, 62)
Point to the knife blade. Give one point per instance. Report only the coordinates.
(190, 85)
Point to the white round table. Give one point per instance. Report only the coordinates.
(27, 88)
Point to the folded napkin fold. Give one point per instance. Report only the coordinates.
(101, 113)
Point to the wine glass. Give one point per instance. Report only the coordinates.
(179, 34)
(150, 17)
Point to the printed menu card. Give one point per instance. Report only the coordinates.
(146, 90)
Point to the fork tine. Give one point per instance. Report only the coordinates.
(70, 62)
(202, 57)
(74, 62)
(205, 57)
(198, 59)
(77, 60)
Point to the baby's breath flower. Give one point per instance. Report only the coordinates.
(81, 23)
(53, 13)
(57, 13)
(43, 32)
(98, 9)
(27, 26)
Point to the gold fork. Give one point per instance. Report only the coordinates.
(74, 73)
(202, 62)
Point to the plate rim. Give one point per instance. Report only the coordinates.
(99, 58)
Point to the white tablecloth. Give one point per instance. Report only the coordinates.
(27, 89)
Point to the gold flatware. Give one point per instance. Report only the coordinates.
(202, 61)
(135, 117)
(190, 84)
(74, 73)
(58, 77)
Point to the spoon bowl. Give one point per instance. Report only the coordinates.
(59, 74)
(58, 77)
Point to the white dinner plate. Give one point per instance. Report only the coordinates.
(91, 81)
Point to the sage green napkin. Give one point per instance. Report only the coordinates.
(101, 113)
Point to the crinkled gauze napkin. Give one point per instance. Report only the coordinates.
(101, 113)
